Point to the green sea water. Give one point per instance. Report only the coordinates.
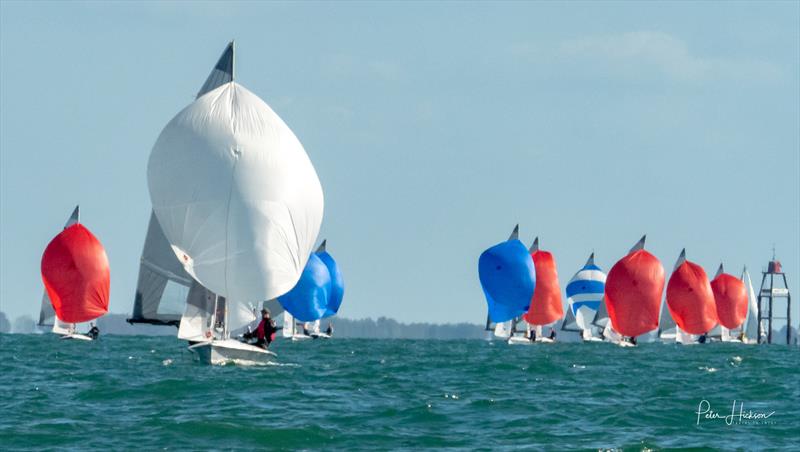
(125, 393)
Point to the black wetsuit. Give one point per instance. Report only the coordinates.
(94, 332)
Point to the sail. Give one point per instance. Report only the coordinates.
(236, 195)
(507, 277)
(545, 306)
(730, 297)
(601, 319)
(197, 321)
(751, 324)
(308, 300)
(690, 299)
(163, 284)
(222, 72)
(502, 329)
(665, 322)
(76, 275)
(288, 325)
(570, 323)
(633, 292)
(337, 282)
(585, 293)
(47, 316)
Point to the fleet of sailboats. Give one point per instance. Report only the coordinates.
(628, 303)
(238, 206)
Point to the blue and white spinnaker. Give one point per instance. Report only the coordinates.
(584, 296)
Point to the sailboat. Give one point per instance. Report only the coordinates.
(584, 297)
(690, 301)
(76, 277)
(545, 306)
(633, 294)
(750, 332)
(290, 329)
(508, 278)
(230, 185)
(47, 315)
(730, 297)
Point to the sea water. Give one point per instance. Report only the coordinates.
(147, 393)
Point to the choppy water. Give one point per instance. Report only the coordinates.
(147, 393)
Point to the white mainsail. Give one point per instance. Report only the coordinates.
(751, 323)
(236, 195)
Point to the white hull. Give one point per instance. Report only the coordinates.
(77, 336)
(592, 339)
(522, 340)
(230, 350)
(625, 344)
(300, 337)
(320, 336)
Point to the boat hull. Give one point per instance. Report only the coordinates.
(76, 336)
(218, 352)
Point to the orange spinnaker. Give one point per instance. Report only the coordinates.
(633, 293)
(690, 299)
(730, 297)
(546, 302)
(76, 275)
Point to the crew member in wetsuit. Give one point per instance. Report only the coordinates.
(533, 335)
(265, 330)
(305, 329)
(633, 340)
(552, 334)
(329, 330)
(94, 331)
(702, 338)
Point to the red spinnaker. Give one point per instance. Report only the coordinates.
(633, 293)
(730, 297)
(546, 302)
(76, 275)
(690, 299)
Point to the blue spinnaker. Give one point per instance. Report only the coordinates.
(337, 283)
(507, 277)
(308, 299)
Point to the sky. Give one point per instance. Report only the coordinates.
(434, 129)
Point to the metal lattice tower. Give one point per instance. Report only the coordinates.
(768, 295)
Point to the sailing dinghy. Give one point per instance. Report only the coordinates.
(633, 293)
(730, 298)
(545, 306)
(690, 301)
(584, 296)
(237, 200)
(76, 277)
(508, 278)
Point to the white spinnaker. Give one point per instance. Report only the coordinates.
(751, 323)
(236, 195)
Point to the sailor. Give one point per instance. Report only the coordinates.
(552, 334)
(305, 329)
(329, 330)
(633, 340)
(533, 335)
(702, 338)
(265, 331)
(94, 331)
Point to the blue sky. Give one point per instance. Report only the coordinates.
(434, 128)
